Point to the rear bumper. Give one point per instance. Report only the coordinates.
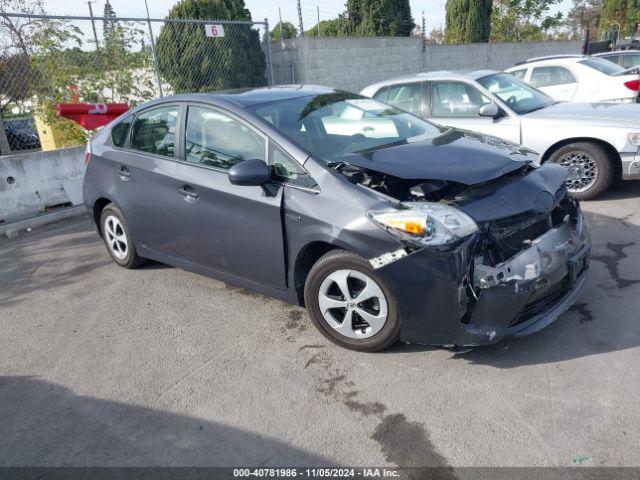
(630, 166)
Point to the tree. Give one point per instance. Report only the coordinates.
(336, 27)
(467, 21)
(192, 62)
(288, 31)
(583, 14)
(621, 14)
(523, 20)
(436, 36)
(109, 27)
(379, 18)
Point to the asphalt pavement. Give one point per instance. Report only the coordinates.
(157, 366)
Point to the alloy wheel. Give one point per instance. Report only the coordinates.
(116, 237)
(583, 170)
(353, 304)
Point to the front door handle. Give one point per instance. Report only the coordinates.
(125, 174)
(189, 194)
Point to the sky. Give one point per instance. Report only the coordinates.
(260, 9)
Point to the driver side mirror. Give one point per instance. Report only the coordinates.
(489, 110)
(250, 173)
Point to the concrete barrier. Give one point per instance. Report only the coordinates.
(40, 183)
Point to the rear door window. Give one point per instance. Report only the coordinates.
(154, 131)
(548, 76)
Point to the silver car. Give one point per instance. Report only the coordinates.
(598, 142)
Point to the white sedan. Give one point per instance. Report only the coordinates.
(598, 142)
(579, 78)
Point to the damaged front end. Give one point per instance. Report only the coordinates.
(529, 290)
(524, 263)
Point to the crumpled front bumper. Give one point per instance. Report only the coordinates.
(439, 305)
(532, 289)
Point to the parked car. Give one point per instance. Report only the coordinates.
(578, 78)
(627, 59)
(597, 142)
(21, 134)
(425, 234)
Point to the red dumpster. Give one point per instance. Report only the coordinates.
(91, 115)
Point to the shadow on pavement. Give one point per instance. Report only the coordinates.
(45, 424)
(627, 189)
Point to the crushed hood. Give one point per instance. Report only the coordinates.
(456, 155)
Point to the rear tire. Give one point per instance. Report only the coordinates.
(118, 239)
(591, 170)
(367, 305)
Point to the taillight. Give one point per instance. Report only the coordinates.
(633, 85)
(87, 154)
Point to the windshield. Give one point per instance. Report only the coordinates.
(603, 66)
(333, 124)
(519, 96)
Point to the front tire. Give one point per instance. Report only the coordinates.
(350, 304)
(118, 239)
(591, 170)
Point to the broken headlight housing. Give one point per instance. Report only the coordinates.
(426, 224)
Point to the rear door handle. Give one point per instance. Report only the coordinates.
(189, 194)
(125, 174)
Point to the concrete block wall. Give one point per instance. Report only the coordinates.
(35, 183)
(353, 63)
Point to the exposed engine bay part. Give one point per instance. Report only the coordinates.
(545, 254)
(428, 190)
(401, 189)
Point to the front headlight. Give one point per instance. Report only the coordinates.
(634, 139)
(426, 223)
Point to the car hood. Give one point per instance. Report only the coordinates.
(456, 155)
(595, 113)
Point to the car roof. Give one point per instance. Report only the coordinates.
(617, 52)
(568, 57)
(436, 75)
(245, 97)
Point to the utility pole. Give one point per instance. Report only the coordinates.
(153, 51)
(93, 23)
(300, 19)
(318, 9)
(424, 33)
(281, 30)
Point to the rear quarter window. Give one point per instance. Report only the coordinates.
(119, 132)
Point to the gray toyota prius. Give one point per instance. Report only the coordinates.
(384, 226)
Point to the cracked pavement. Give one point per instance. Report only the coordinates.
(157, 366)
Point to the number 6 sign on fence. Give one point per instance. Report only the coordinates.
(214, 30)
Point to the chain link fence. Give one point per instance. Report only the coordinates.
(47, 60)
